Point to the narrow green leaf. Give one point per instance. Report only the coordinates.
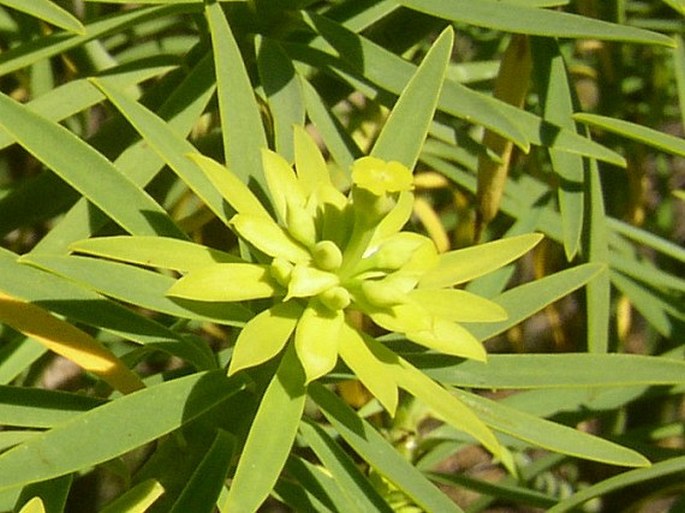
(114, 428)
(264, 336)
(558, 105)
(341, 145)
(242, 129)
(665, 142)
(48, 12)
(225, 282)
(404, 131)
(449, 338)
(466, 264)
(376, 450)
(170, 147)
(549, 435)
(149, 291)
(630, 478)
(137, 499)
(553, 370)
(181, 109)
(34, 505)
(267, 236)
(283, 93)
(74, 161)
(159, 252)
(268, 444)
(38, 408)
(312, 171)
(529, 20)
(343, 469)
(598, 292)
(679, 67)
(284, 188)
(310, 487)
(57, 43)
(18, 355)
(523, 301)
(204, 486)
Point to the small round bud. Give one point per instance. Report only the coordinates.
(281, 270)
(335, 298)
(327, 255)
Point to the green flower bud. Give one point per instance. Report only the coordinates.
(382, 293)
(327, 255)
(335, 298)
(300, 224)
(308, 281)
(281, 270)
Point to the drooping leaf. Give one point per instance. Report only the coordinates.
(68, 341)
(317, 338)
(49, 12)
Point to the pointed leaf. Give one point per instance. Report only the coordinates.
(264, 234)
(69, 342)
(466, 264)
(525, 300)
(549, 435)
(233, 190)
(271, 437)
(264, 336)
(312, 171)
(35, 505)
(167, 144)
(225, 282)
(405, 129)
(449, 338)
(458, 305)
(241, 121)
(368, 367)
(159, 252)
(529, 20)
(283, 91)
(665, 142)
(49, 12)
(283, 185)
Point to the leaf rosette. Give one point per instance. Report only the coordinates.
(325, 257)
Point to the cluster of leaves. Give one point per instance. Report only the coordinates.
(223, 305)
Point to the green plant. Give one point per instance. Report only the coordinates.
(223, 313)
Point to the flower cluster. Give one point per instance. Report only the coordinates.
(324, 253)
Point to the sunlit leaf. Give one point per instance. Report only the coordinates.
(68, 341)
(317, 338)
(458, 305)
(264, 336)
(225, 282)
(466, 264)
